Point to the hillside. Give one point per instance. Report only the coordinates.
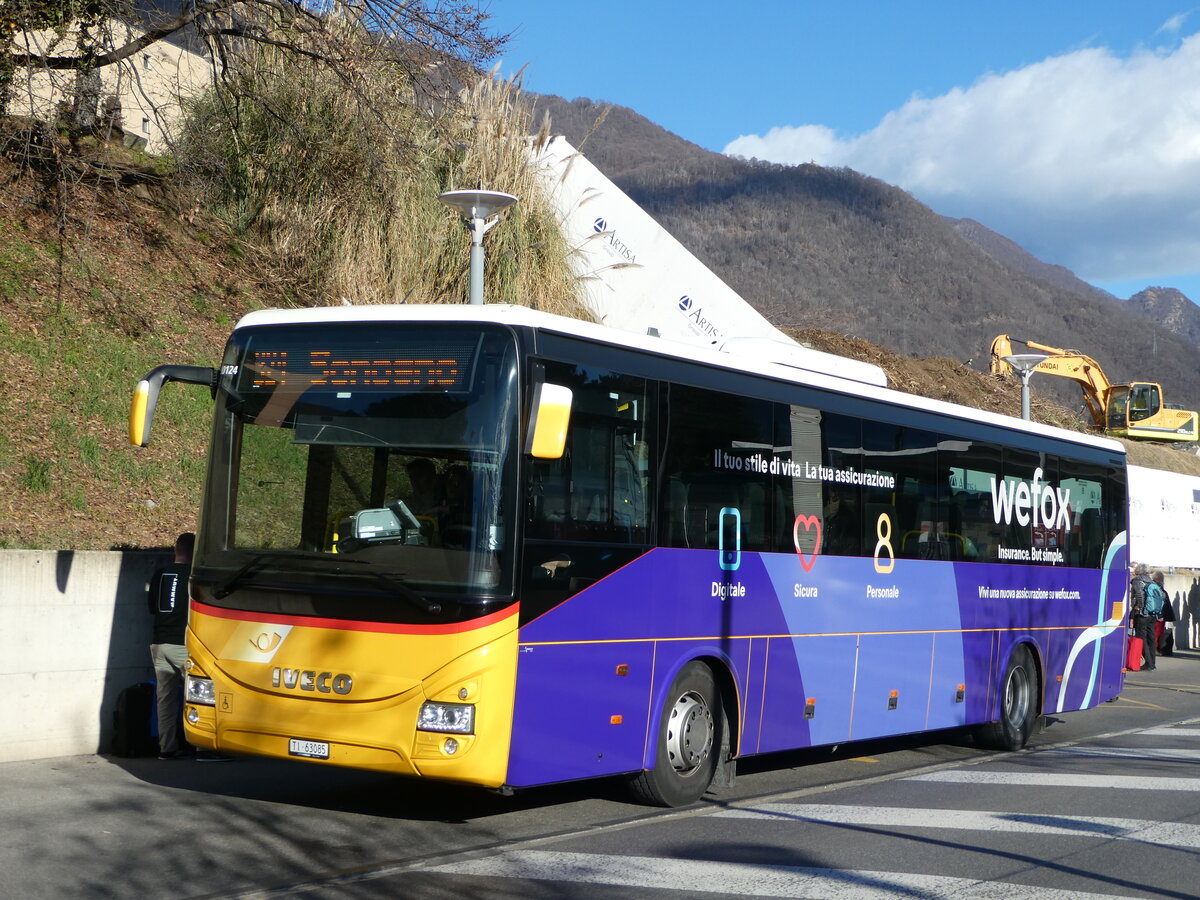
(118, 271)
(941, 378)
(814, 247)
(102, 279)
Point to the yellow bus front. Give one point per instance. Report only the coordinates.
(353, 587)
(431, 703)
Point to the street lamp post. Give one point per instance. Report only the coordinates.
(478, 210)
(1024, 364)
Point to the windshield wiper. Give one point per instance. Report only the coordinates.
(407, 594)
(226, 587)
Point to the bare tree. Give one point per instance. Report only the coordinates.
(419, 31)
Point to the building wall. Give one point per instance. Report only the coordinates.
(1164, 518)
(148, 85)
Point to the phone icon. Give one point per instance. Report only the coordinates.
(729, 538)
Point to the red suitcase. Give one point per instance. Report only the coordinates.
(1133, 658)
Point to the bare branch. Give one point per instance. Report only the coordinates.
(99, 60)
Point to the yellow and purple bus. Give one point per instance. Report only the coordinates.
(489, 545)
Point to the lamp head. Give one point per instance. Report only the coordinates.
(1025, 362)
(477, 204)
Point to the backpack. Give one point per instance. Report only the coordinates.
(1153, 604)
(135, 731)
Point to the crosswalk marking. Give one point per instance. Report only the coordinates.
(1054, 779)
(735, 879)
(1157, 753)
(1142, 830)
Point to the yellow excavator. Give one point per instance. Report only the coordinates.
(1134, 410)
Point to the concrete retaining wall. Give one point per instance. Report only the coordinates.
(1183, 587)
(75, 632)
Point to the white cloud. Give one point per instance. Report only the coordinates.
(1174, 24)
(1087, 159)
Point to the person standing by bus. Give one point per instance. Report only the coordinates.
(1164, 641)
(1143, 623)
(168, 601)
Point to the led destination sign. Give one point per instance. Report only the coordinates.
(446, 367)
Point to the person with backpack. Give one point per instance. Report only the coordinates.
(1147, 599)
(168, 602)
(1163, 629)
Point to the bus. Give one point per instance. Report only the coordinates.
(493, 546)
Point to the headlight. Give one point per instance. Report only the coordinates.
(200, 690)
(455, 717)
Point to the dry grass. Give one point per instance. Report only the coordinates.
(334, 176)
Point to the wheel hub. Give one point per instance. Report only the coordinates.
(689, 733)
(1016, 696)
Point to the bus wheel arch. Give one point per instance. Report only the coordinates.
(692, 739)
(1020, 702)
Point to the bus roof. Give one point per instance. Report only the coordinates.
(796, 364)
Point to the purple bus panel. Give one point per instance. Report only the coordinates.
(819, 654)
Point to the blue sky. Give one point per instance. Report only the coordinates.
(1070, 126)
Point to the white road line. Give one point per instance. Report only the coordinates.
(1160, 834)
(1121, 782)
(701, 876)
(1173, 732)
(1169, 754)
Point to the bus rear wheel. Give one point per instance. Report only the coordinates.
(1018, 706)
(688, 743)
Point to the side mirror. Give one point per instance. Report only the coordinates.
(548, 421)
(145, 396)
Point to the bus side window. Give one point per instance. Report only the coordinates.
(597, 490)
(718, 451)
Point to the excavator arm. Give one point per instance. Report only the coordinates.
(1135, 410)
(1079, 367)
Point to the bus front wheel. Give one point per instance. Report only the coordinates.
(688, 742)
(1018, 705)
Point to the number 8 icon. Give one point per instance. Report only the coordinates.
(883, 547)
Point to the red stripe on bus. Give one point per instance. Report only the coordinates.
(242, 615)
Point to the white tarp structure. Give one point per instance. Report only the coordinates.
(1164, 518)
(638, 278)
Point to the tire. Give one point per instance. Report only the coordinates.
(688, 743)
(1018, 705)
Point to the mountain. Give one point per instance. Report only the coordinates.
(1171, 309)
(1013, 255)
(815, 247)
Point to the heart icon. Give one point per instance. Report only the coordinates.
(809, 523)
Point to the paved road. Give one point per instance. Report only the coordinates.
(872, 820)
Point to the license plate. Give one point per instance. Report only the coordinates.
(308, 749)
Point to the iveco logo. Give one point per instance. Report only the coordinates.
(685, 303)
(600, 225)
(311, 680)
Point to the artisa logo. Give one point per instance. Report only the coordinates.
(622, 249)
(695, 312)
(1035, 501)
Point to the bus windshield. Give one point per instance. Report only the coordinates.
(362, 471)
